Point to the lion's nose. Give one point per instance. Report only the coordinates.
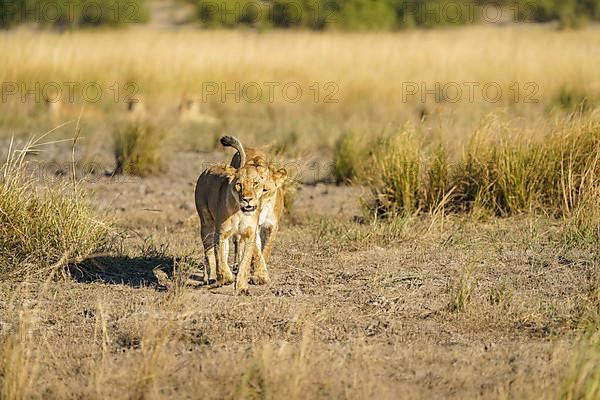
(246, 199)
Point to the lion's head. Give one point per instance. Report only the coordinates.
(272, 179)
(249, 184)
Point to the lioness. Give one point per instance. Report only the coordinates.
(189, 111)
(58, 108)
(272, 203)
(135, 106)
(228, 201)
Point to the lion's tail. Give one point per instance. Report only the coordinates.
(232, 141)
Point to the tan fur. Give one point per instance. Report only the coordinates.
(53, 105)
(189, 110)
(272, 205)
(228, 201)
(58, 108)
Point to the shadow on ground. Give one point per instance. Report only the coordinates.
(153, 272)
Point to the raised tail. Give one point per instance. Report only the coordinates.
(232, 141)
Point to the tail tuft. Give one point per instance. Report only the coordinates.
(228, 141)
(232, 141)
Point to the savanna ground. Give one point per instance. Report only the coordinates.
(436, 304)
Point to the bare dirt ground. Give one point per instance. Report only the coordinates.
(354, 310)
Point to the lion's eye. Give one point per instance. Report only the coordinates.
(265, 190)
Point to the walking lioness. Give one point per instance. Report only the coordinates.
(272, 203)
(228, 201)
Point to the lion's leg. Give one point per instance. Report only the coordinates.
(269, 233)
(241, 283)
(258, 241)
(260, 274)
(226, 250)
(239, 251)
(236, 251)
(207, 231)
(224, 275)
(255, 258)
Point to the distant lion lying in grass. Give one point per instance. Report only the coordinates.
(229, 202)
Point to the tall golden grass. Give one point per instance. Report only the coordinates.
(500, 172)
(373, 64)
(369, 73)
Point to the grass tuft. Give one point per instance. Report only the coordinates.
(498, 173)
(347, 156)
(137, 149)
(392, 171)
(582, 380)
(571, 99)
(18, 364)
(462, 292)
(42, 229)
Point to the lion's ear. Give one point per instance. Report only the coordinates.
(279, 176)
(258, 161)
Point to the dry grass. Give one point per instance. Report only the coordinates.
(498, 173)
(139, 148)
(347, 157)
(371, 71)
(356, 310)
(17, 360)
(42, 229)
(359, 63)
(462, 292)
(394, 170)
(432, 302)
(396, 331)
(583, 377)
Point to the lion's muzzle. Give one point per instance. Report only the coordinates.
(248, 208)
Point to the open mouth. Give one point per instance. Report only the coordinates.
(248, 208)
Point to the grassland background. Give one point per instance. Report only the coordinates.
(431, 305)
(370, 70)
(350, 15)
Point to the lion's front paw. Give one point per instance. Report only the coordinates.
(242, 291)
(225, 279)
(260, 279)
(208, 282)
